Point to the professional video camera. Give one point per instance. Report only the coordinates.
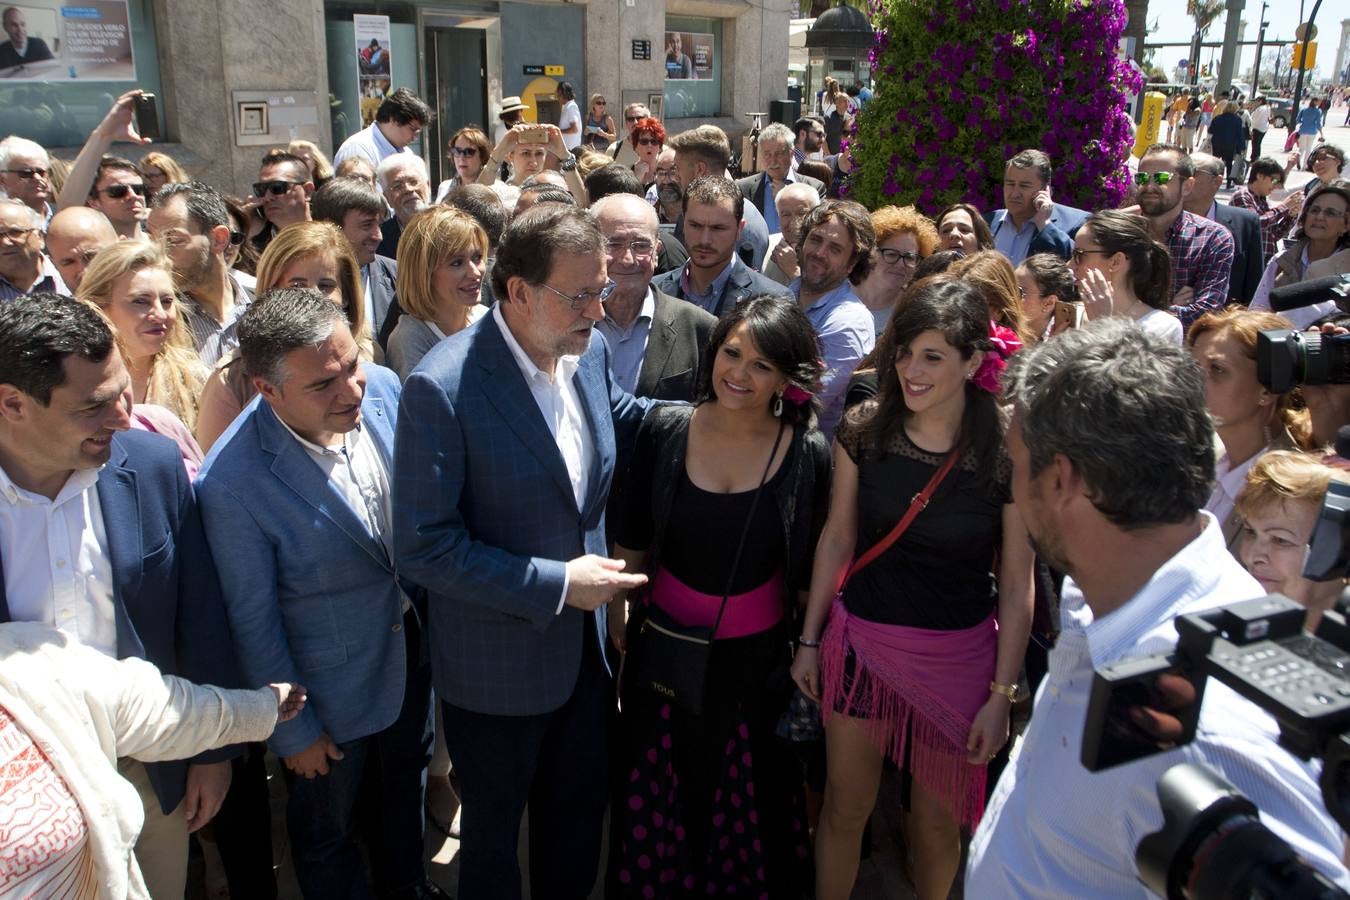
(1212, 845)
(1286, 359)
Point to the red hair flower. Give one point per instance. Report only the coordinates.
(1004, 343)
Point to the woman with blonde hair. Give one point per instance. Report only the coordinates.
(313, 255)
(989, 272)
(320, 169)
(158, 169)
(1280, 503)
(904, 236)
(599, 127)
(441, 259)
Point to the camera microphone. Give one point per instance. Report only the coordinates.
(1306, 293)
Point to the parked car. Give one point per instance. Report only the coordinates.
(1281, 111)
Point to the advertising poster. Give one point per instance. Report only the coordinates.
(689, 56)
(61, 41)
(372, 62)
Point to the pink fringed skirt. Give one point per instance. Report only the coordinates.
(918, 691)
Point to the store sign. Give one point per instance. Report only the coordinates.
(642, 49)
(533, 70)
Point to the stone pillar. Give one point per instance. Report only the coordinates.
(611, 28)
(1342, 48)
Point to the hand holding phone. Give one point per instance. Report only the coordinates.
(147, 117)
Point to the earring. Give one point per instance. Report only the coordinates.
(777, 405)
(970, 376)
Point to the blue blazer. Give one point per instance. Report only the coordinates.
(1049, 239)
(1068, 219)
(741, 283)
(166, 597)
(485, 518)
(311, 596)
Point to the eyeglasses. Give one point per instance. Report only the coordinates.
(600, 103)
(118, 191)
(648, 142)
(26, 174)
(1079, 254)
(639, 247)
(1143, 178)
(892, 257)
(15, 234)
(1330, 212)
(581, 300)
(465, 152)
(632, 119)
(275, 188)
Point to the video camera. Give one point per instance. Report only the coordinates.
(1286, 359)
(1212, 845)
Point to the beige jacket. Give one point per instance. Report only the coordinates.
(84, 710)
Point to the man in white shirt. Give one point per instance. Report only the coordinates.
(399, 120)
(569, 121)
(1111, 449)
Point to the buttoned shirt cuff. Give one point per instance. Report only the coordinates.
(562, 601)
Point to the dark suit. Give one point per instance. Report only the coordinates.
(743, 282)
(36, 51)
(391, 229)
(754, 188)
(1248, 265)
(383, 297)
(1068, 219)
(676, 342)
(166, 596)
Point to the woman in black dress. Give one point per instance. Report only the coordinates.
(713, 805)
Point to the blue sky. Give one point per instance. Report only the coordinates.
(1283, 16)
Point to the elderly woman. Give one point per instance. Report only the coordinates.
(961, 227)
(1323, 229)
(1325, 162)
(904, 236)
(648, 137)
(441, 261)
(470, 150)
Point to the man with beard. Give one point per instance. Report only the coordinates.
(353, 206)
(407, 189)
(193, 223)
(810, 132)
(1112, 458)
(834, 250)
(24, 171)
(504, 456)
(1201, 249)
(714, 278)
(74, 237)
(283, 189)
(705, 151)
(665, 193)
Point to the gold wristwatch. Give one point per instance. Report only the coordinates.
(1011, 691)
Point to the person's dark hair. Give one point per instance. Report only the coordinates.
(1185, 167)
(935, 264)
(568, 92)
(339, 196)
(247, 260)
(959, 312)
(205, 205)
(277, 157)
(481, 202)
(539, 237)
(1266, 166)
(984, 238)
(1127, 410)
(1150, 263)
(1331, 150)
(404, 108)
(1033, 159)
(280, 321)
(819, 171)
(804, 124)
(549, 193)
(713, 189)
(707, 143)
(474, 135)
(1053, 276)
(112, 164)
(614, 178)
(855, 218)
(1341, 188)
(782, 333)
(38, 332)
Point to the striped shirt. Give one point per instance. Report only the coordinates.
(212, 338)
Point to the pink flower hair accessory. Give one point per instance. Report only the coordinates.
(796, 395)
(1004, 342)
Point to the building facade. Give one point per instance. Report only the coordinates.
(234, 79)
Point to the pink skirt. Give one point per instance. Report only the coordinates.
(750, 613)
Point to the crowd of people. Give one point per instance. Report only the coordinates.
(600, 483)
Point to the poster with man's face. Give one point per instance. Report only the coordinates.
(689, 56)
(55, 40)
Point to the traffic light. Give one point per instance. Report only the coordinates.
(1305, 55)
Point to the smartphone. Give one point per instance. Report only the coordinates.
(533, 136)
(1068, 315)
(147, 117)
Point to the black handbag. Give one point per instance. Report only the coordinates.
(670, 659)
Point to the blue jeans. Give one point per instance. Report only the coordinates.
(389, 769)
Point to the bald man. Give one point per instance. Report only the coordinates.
(74, 236)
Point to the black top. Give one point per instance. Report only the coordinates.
(939, 574)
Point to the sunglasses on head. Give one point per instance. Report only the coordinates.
(275, 188)
(118, 191)
(1143, 178)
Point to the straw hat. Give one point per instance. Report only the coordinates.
(510, 105)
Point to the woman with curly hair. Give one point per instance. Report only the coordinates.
(904, 237)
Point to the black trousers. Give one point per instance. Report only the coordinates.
(556, 764)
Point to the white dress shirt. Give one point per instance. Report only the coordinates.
(560, 405)
(1228, 483)
(1053, 829)
(55, 553)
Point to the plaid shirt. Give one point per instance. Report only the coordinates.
(1275, 223)
(1202, 258)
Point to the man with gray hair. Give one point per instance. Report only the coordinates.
(777, 170)
(1112, 454)
(407, 189)
(297, 506)
(25, 168)
(1243, 225)
(507, 441)
(622, 151)
(1030, 221)
(24, 268)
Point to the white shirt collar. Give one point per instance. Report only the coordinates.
(316, 448)
(80, 480)
(567, 365)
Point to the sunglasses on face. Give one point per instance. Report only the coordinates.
(1160, 178)
(464, 152)
(632, 119)
(648, 142)
(26, 174)
(1079, 254)
(118, 191)
(275, 188)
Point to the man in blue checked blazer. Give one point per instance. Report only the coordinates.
(296, 498)
(507, 438)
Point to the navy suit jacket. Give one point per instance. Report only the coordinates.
(166, 597)
(1248, 262)
(485, 518)
(1049, 239)
(383, 287)
(312, 597)
(743, 282)
(1068, 219)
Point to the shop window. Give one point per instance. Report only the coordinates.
(693, 55)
